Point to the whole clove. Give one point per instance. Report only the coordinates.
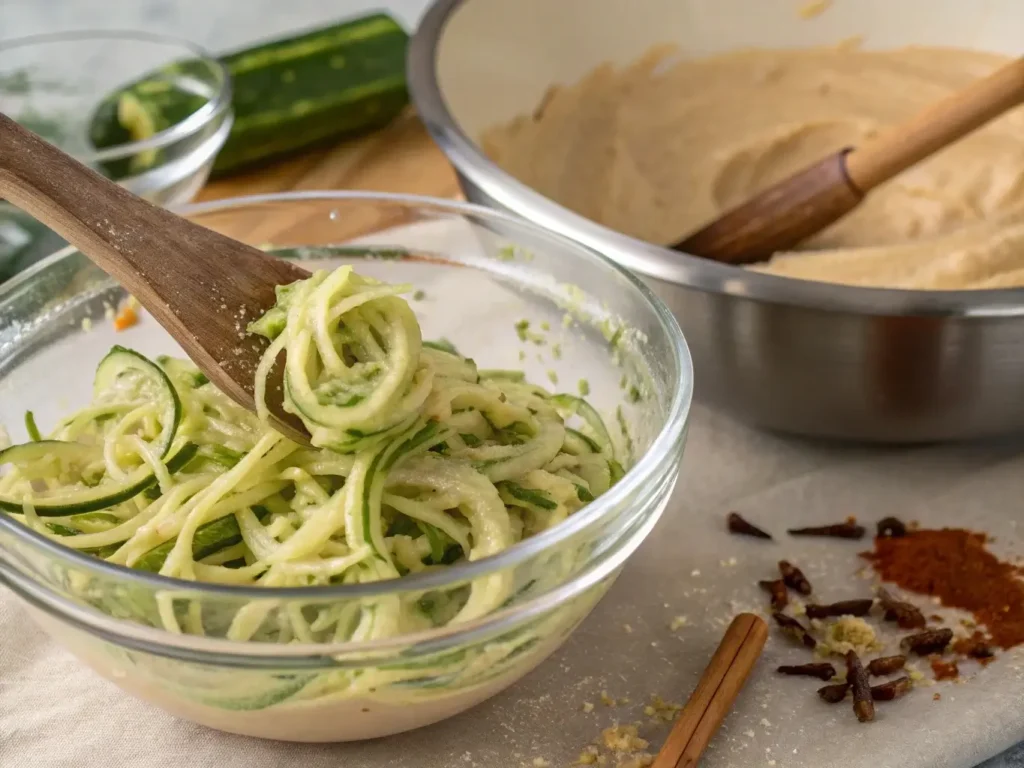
(908, 616)
(891, 527)
(847, 530)
(834, 693)
(842, 608)
(928, 642)
(794, 578)
(893, 689)
(777, 590)
(857, 677)
(794, 629)
(738, 525)
(886, 665)
(823, 671)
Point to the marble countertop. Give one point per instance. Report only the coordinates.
(221, 25)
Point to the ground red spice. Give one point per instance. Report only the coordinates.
(954, 565)
(945, 670)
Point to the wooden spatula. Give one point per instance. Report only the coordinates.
(807, 202)
(202, 287)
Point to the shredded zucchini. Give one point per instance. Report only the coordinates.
(420, 461)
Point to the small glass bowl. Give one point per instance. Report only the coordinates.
(56, 85)
(479, 273)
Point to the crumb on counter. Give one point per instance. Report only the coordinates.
(677, 623)
(813, 8)
(608, 701)
(587, 707)
(540, 762)
(848, 633)
(623, 738)
(126, 318)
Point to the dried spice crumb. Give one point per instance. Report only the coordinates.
(665, 711)
(847, 634)
(623, 738)
(945, 670)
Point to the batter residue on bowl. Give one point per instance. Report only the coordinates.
(662, 146)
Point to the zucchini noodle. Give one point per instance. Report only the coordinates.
(419, 460)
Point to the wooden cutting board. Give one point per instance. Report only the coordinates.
(399, 158)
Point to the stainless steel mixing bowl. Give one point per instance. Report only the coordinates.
(788, 355)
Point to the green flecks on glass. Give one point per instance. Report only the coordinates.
(545, 326)
(567, 320)
(623, 382)
(507, 253)
(583, 387)
(620, 416)
(419, 295)
(634, 395)
(556, 351)
(552, 377)
(522, 355)
(523, 329)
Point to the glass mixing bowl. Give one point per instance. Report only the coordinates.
(58, 85)
(479, 273)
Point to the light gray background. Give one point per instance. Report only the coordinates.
(220, 25)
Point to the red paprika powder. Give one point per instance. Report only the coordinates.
(954, 565)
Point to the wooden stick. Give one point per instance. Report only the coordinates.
(780, 217)
(936, 127)
(717, 690)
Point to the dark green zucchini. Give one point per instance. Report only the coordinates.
(288, 94)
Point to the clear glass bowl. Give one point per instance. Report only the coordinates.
(480, 273)
(56, 85)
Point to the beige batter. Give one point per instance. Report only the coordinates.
(663, 146)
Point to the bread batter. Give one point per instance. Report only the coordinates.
(665, 145)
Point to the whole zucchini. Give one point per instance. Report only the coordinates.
(288, 94)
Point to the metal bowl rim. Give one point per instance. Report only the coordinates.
(656, 261)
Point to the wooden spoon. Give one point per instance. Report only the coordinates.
(201, 286)
(807, 202)
(715, 693)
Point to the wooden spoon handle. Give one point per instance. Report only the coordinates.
(717, 690)
(936, 127)
(92, 213)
